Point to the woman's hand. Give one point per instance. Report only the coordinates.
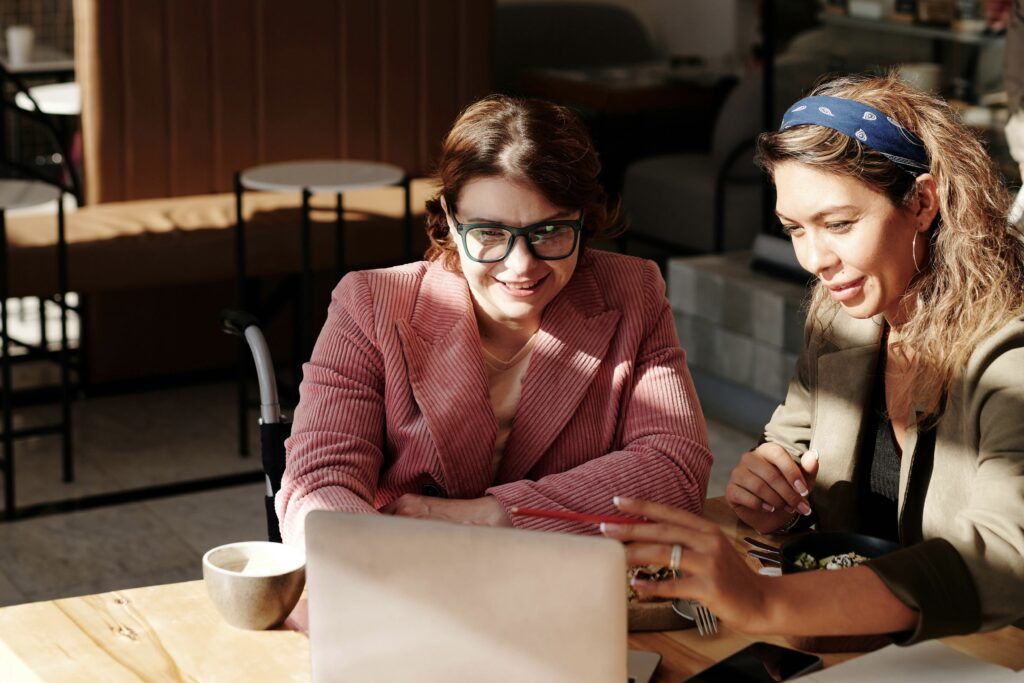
(767, 488)
(712, 570)
(485, 511)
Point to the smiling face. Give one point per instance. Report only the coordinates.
(511, 293)
(852, 237)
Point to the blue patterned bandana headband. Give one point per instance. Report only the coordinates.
(861, 122)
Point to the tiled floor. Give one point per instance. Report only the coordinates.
(144, 439)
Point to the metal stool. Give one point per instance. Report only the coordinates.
(16, 194)
(306, 178)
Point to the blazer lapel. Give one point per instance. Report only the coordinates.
(574, 336)
(441, 345)
(844, 384)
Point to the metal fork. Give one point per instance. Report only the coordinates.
(707, 623)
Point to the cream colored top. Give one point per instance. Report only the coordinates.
(505, 383)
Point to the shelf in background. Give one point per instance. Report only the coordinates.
(906, 29)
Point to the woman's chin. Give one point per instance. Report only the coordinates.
(860, 311)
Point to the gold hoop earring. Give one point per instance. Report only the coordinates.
(913, 253)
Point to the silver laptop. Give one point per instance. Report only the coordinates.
(396, 599)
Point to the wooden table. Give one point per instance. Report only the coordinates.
(173, 633)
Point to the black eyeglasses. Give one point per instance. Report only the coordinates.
(493, 242)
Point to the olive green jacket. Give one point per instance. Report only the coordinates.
(961, 514)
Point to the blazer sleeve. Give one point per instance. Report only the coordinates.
(335, 452)
(973, 577)
(790, 424)
(664, 455)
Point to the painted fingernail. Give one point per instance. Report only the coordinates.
(609, 527)
(615, 501)
(800, 488)
(790, 510)
(804, 508)
(767, 508)
(601, 527)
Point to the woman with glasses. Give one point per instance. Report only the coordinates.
(514, 367)
(905, 417)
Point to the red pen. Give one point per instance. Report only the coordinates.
(576, 516)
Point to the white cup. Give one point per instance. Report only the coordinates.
(254, 584)
(20, 41)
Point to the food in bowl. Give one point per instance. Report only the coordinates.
(837, 561)
(840, 549)
(648, 572)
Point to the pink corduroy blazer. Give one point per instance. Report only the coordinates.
(395, 400)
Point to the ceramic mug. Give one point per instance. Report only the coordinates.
(254, 584)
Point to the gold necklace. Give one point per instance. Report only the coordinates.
(497, 363)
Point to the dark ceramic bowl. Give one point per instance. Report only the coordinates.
(821, 545)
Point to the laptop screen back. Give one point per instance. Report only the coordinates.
(409, 600)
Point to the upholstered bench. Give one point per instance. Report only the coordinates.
(188, 240)
(155, 270)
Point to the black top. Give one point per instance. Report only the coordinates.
(879, 466)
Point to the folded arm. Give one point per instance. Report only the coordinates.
(334, 454)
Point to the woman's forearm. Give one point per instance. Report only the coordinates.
(840, 602)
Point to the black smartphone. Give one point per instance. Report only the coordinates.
(759, 663)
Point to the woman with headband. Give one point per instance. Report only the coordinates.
(905, 416)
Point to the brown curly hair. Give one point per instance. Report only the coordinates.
(973, 281)
(525, 140)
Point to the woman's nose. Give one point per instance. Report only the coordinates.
(815, 254)
(519, 259)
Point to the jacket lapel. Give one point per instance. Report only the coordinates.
(844, 384)
(574, 336)
(441, 345)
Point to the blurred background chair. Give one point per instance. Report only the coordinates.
(703, 202)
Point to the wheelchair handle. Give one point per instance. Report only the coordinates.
(235, 322)
(245, 325)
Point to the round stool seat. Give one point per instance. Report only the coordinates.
(321, 176)
(20, 194)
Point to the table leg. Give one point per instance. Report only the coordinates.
(67, 455)
(305, 292)
(5, 377)
(243, 350)
(44, 343)
(339, 240)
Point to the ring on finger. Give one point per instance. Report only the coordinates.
(675, 558)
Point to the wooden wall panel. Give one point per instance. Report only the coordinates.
(179, 94)
(476, 61)
(190, 76)
(234, 101)
(299, 73)
(438, 84)
(360, 81)
(399, 102)
(146, 107)
(99, 64)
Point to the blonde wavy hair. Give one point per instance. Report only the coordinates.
(973, 281)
